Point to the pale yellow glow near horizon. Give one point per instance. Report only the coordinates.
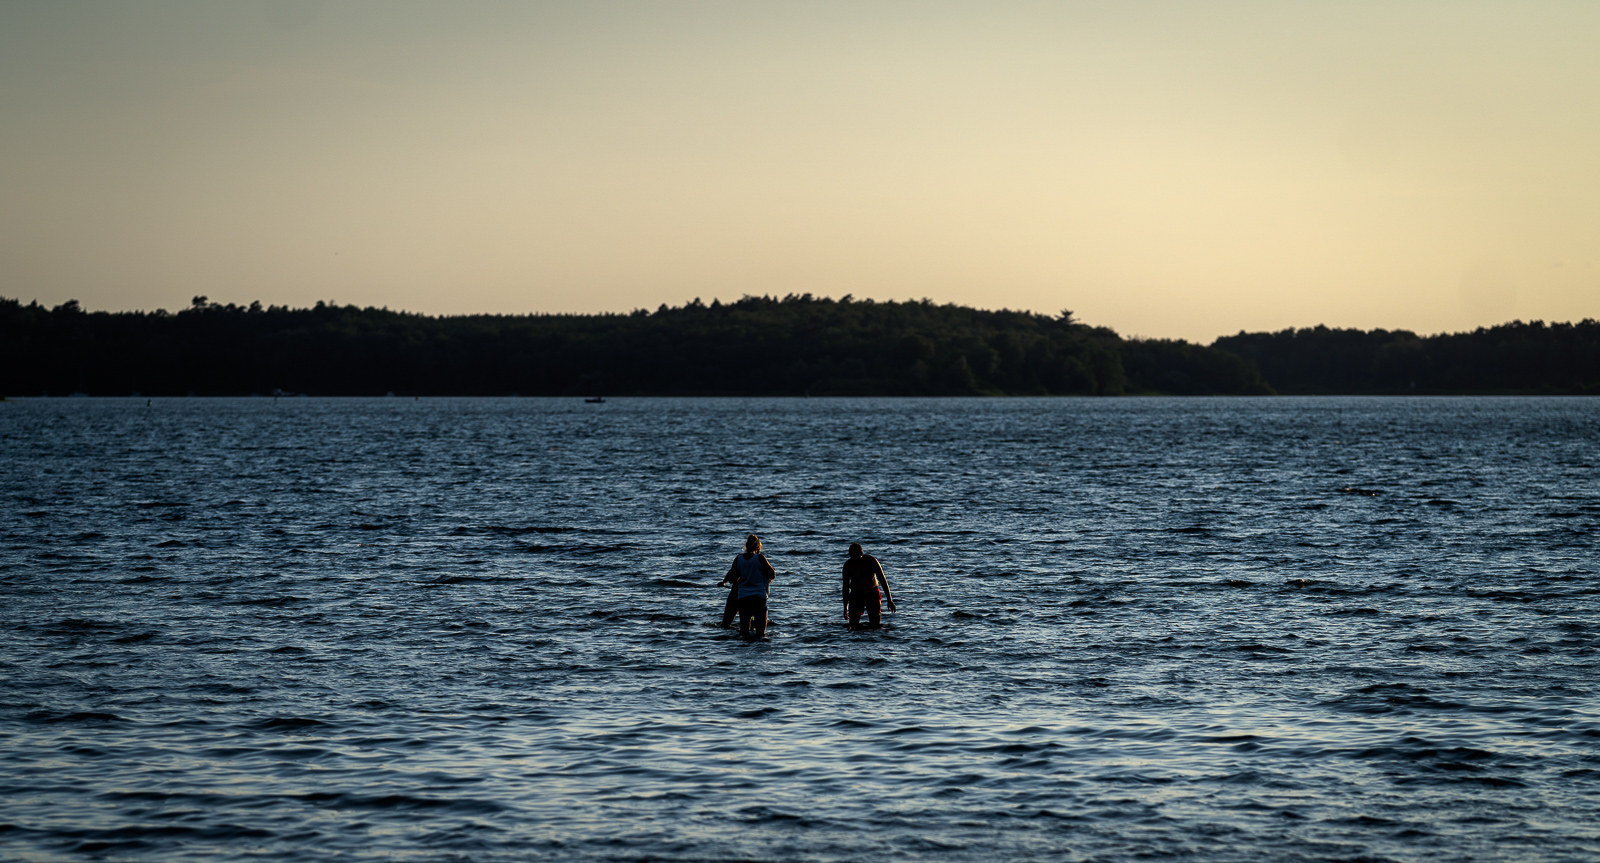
(1180, 170)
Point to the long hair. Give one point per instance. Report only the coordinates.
(752, 543)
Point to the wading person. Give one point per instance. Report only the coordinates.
(752, 577)
(862, 576)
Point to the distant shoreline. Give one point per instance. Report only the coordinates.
(655, 397)
(795, 346)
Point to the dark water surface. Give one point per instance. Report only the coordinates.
(1276, 629)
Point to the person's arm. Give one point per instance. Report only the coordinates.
(766, 568)
(884, 580)
(732, 577)
(845, 592)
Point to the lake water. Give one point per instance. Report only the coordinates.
(486, 630)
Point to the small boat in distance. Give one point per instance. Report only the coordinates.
(597, 400)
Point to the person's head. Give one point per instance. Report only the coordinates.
(752, 543)
(855, 549)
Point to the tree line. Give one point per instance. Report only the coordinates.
(1515, 358)
(790, 346)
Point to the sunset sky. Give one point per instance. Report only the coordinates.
(1184, 169)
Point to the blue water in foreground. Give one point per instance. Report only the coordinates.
(485, 630)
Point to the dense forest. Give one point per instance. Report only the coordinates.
(1514, 358)
(796, 345)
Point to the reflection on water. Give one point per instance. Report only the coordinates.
(486, 629)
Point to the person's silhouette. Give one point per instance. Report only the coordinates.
(752, 577)
(863, 575)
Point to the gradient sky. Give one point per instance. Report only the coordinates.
(1184, 169)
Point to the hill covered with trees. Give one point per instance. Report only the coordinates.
(796, 345)
(1514, 358)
